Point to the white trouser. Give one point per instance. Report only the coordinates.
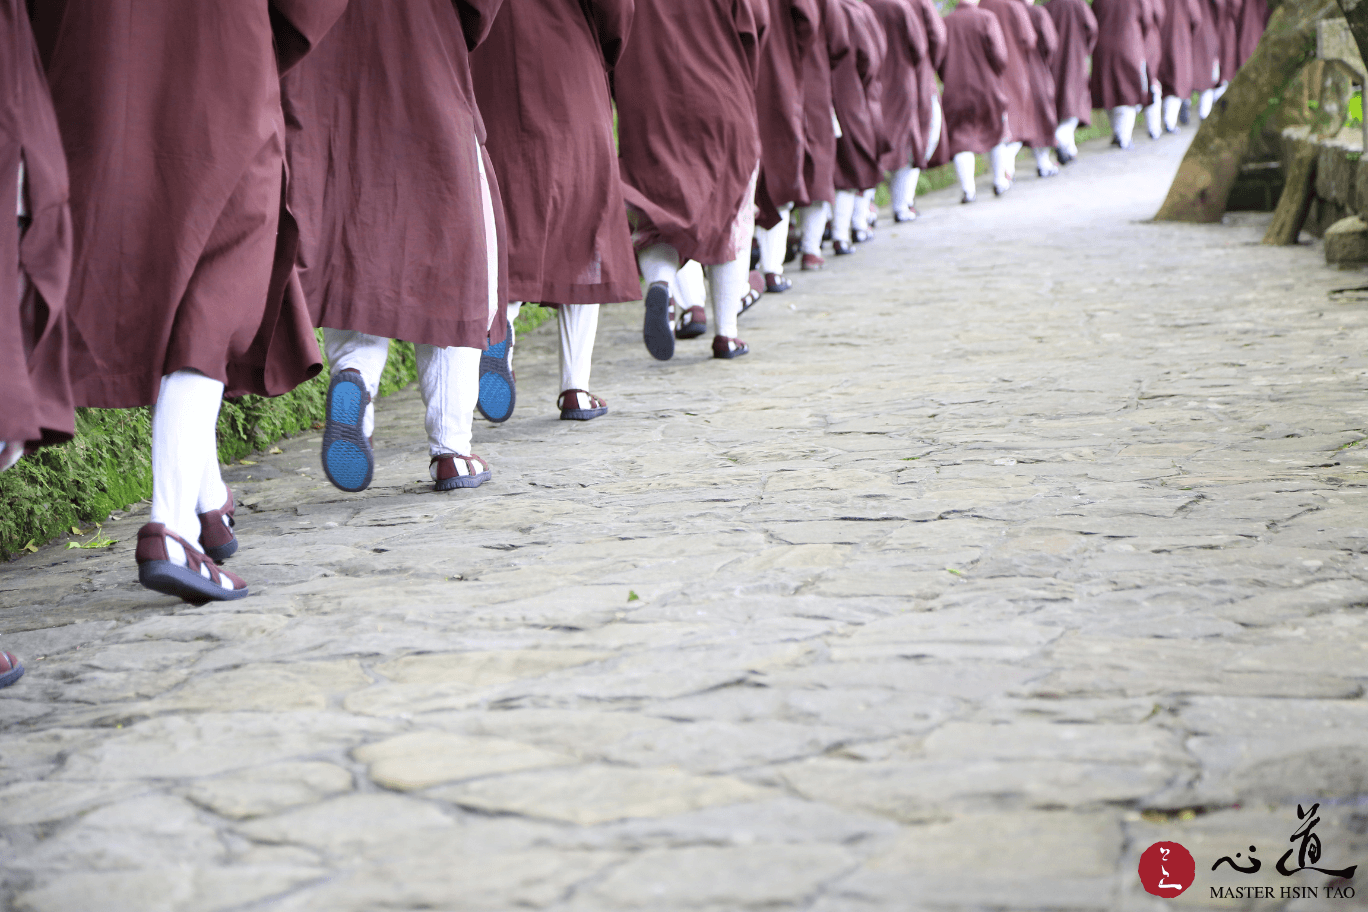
(448, 378)
(1172, 105)
(1064, 136)
(843, 215)
(12, 450)
(1204, 103)
(1153, 118)
(999, 158)
(728, 284)
(933, 135)
(185, 466)
(1220, 90)
(1042, 159)
(862, 204)
(1013, 149)
(1123, 123)
(690, 287)
(964, 170)
(902, 188)
(814, 226)
(774, 242)
(578, 329)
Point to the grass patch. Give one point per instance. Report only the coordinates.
(108, 465)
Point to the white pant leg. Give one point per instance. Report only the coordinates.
(1220, 90)
(729, 283)
(690, 289)
(659, 263)
(900, 190)
(1154, 122)
(1123, 123)
(491, 241)
(1042, 160)
(514, 308)
(1204, 103)
(964, 170)
(774, 242)
(184, 443)
(934, 130)
(998, 157)
(1172, 105)
(860, 217)
(347, 349)
(12, 450)
(814, 226)
(1013, 149)
(578, 328)
(843, 216)
(449, 380)
(1064, 135)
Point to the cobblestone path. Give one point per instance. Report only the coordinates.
(1029, 536)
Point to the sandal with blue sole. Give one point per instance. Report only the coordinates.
(447, 475)
(498, 383)
(11, 669)
(572, 404)
(200, 580)
(348, 460)
(657, 328)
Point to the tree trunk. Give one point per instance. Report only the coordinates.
(1295, 202)
(1212, 163)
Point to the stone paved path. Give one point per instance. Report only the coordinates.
(1029, 536)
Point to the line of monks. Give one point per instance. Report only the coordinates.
(202, 183)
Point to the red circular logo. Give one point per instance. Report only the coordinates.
(1167, 869)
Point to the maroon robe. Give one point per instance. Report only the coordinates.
(541, 78)
(384, 150)
(1206, 45)
(171, 119)
(1041, 63)
(1154, 44)
(974, 101)
(1181, 19)
(1119, 57)
(899, 81)
(1077, 29)
(1228, 32)
(1253, 20)
(794, 26)
(927, 90)
(857, 95)
(831, 46)
(687, 133)
(33, 345)
(1023, 121)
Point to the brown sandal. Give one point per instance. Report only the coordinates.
(198, 582)
(216, 531)
(596, 406)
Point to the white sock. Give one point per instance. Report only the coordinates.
(1220, 90)
(998, 157)
(1204, 103)
(578, 327)
(347, 349)
(1042, 159)
(964, 170)
(729, 283)
(10, 453)
(514, 308)
(1064, 136)
(449, 379)
(1123, 123)
(774, 242)
(1172, 105)
(934, 129)
(659, 263)
(1154, 123)
(843, 216)
(1013, 150)
(860, 218)
(491, 241)
(690, 289)
(814, 226)
(902, 186)
(184, 445)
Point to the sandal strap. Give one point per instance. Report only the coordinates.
(194, 558)
(594, 401)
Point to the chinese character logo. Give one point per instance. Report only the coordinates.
(1167, 869)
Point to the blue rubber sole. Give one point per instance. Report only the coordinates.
(498, 391)
(171, 578)
(12, 675)
(347, 458)
(656, 330)
(464, 481)
(583, 414)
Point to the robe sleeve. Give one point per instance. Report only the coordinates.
(299, 25)
(995, 45)
(752, 26)
(837, 34)
(806, 19)
(477, 18)
(918, 42)
(611, 21)
(1024, 28)
(936, 38)
(867, 56)
(1090, 26)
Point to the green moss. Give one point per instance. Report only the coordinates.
(108, 466)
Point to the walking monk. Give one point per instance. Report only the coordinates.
(541, 78)
(1077, 29)
(400, 222)
(1119, 81)
(183, 280)
(974, 99)
(690, 153)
